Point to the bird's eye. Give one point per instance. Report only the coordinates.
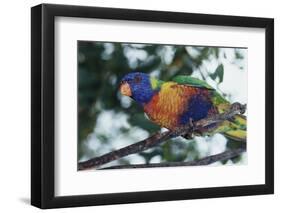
(137, 79)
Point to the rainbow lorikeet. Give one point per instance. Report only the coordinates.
(175, 103)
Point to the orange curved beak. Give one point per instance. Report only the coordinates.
(125, 89)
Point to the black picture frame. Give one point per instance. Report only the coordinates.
(43, 102)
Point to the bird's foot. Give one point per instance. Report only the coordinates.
(191, 130)
(191, 124)
(186, 131)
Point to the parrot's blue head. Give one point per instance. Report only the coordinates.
(138, 86)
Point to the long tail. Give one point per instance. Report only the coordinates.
(236, 129)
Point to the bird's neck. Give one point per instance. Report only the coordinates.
(146, 94)
(155, 84)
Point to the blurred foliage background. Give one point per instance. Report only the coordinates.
(109, 121)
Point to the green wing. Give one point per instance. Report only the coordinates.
(217, 99)
(190, 81)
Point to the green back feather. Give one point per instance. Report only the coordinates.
(194, 82)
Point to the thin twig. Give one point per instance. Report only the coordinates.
(200, 162)
(159, 138)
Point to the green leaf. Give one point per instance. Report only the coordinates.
(219, 72)
(238, 55)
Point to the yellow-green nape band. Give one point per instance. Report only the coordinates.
(153, 82)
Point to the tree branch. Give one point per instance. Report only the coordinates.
(131, 149)
(200, 162)
(159, 138)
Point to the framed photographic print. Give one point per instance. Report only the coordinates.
(140, 106)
